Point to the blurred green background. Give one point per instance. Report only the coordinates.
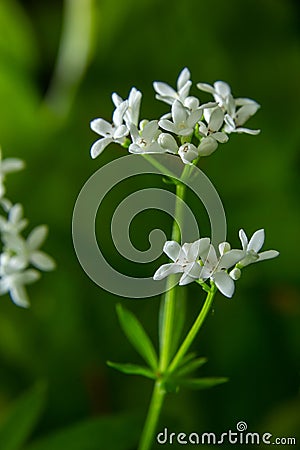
(62, 343)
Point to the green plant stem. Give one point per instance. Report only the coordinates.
(167, 330)
(194, 330)
(169, 297)
(152, 416)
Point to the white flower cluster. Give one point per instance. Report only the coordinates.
(199, 261)
(19, 254)
(190, 129)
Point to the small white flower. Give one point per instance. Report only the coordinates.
(168, 95)
(216, 267)
(184, 121)
(188, 152)
(237, 117)
(210, 132)
(145, 140)
(220, 91)
(252, 248)
(27, 251)
(13, 277)
(132, 113)
(114, 132)
(15, 222)
(185, 260)
(8, 165)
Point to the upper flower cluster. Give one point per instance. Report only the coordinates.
(199, 261)
(18, 254)
(190, 129)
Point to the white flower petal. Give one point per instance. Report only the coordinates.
(268, 254)
(191, 102)
(42, 261)
(15, 213)
(29, 276)
(245, 112)
(183, 77)
(121, 132)
(134, 148)
(243, 239)
(195, 249)
(186, 279)
(102, 127)
(117, 100)
(230, 258)
(37, 237)
(205, 87)
(150, 130)
(222, 88)
(184, 91)
(119, 112)
(247, 131)
(164, 89)
(99, 146)
(11, 165)
(220, 137)
(168, 125)
(172, 249)
(19, 296)
(194, 117)
(224, 283)
(179, 113)
(216, 119)
(224, 247)
(166, 270)
(230, 125)
(257, 240)
(193, 270)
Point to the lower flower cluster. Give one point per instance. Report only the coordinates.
(199, 261)
(20, 257)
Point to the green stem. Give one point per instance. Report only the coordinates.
(194, 330)
(167, 330)
(152, 417)
(155, 163)
(169, 297)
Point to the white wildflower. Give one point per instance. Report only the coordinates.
(183, 122)
(145, 139)
(185, 260)
(114, 132)
(13, 277)
(215, 268)
(252, 248)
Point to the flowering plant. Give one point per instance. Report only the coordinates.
(189, 131)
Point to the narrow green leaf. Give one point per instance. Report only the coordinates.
(191, 366)
(202, 383)
(187, 358)
(137, 336)
(132, 369)
(118, 432)
(20, 422)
